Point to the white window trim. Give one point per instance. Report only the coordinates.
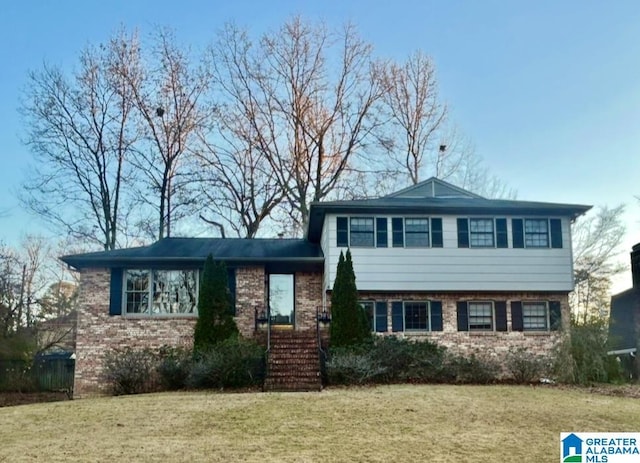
(547, 315)
(123, 302)
(493, 317)
(404, 320)
(524, 232)
(493, 220)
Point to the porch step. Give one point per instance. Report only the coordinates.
(294, 362)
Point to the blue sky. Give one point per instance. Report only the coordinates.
(548, 91)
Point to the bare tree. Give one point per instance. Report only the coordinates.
(166, 90)
(418, 138)
(416, 116)
(308, 95)
(79, 130)
(596, 241)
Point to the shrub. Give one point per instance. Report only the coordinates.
(16, 376)
(349, 322)
(581, 358)
(353, 366)
(215, 322)
(387, 360)
(525, 367)
(174, 366)
(130, 371)
(234, 363)
(473, 370)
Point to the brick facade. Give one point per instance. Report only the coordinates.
(99, 332)
(495, 344)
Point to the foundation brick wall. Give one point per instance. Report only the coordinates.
(250, 295)
(495, 344)
(99, 332)
(308, 291)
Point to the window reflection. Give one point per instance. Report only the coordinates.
(281, 299)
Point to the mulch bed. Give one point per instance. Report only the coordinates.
(8, 399)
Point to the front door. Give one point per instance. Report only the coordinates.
(281, 300)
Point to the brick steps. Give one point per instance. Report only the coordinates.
(294, 362)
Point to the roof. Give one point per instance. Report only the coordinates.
(622, 334)
(194, 251)
(434, 196)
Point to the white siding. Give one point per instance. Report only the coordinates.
(451, 268)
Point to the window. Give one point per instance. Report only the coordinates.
(376, 312)
(536, 233)
(416, 232)
(397, 232)
(416, 316)
(481, 233)
(282, 299)
(160, 292)
(361, 232)
(535, 316)
(480, 316)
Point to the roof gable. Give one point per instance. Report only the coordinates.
(433, 188)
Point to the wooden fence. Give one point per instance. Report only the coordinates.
(47, 373)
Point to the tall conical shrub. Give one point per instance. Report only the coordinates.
(349, 323)
(215, 312)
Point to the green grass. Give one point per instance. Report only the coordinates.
(382, 424)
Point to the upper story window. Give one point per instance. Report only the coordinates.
(405, 232)
(361, 232)
(482, 233)
(537, 233)
(416, 232)
(160, 292)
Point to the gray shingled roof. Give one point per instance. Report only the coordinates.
(194, 251)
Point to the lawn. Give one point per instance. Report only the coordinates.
(382, 424)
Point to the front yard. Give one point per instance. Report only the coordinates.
(378, 424)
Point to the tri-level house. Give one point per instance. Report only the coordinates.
(432, 261)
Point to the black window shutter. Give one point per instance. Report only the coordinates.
(115, 302)
(381, 316)
(516, 316)
(501, 315)
(436, 315)
(556, 233)
(397, 230)
(231, 278)
(342, 224)
(501, 233)
(436, 233)
(463, 233)
(463, 316)
(397, 318)
(518, 233)
(555, 315)
(381, 232)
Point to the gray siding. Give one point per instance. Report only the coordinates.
(451, 268)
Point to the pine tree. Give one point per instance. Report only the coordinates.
(215, 314)
(349, 323)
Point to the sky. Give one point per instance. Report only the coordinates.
(548, 91)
